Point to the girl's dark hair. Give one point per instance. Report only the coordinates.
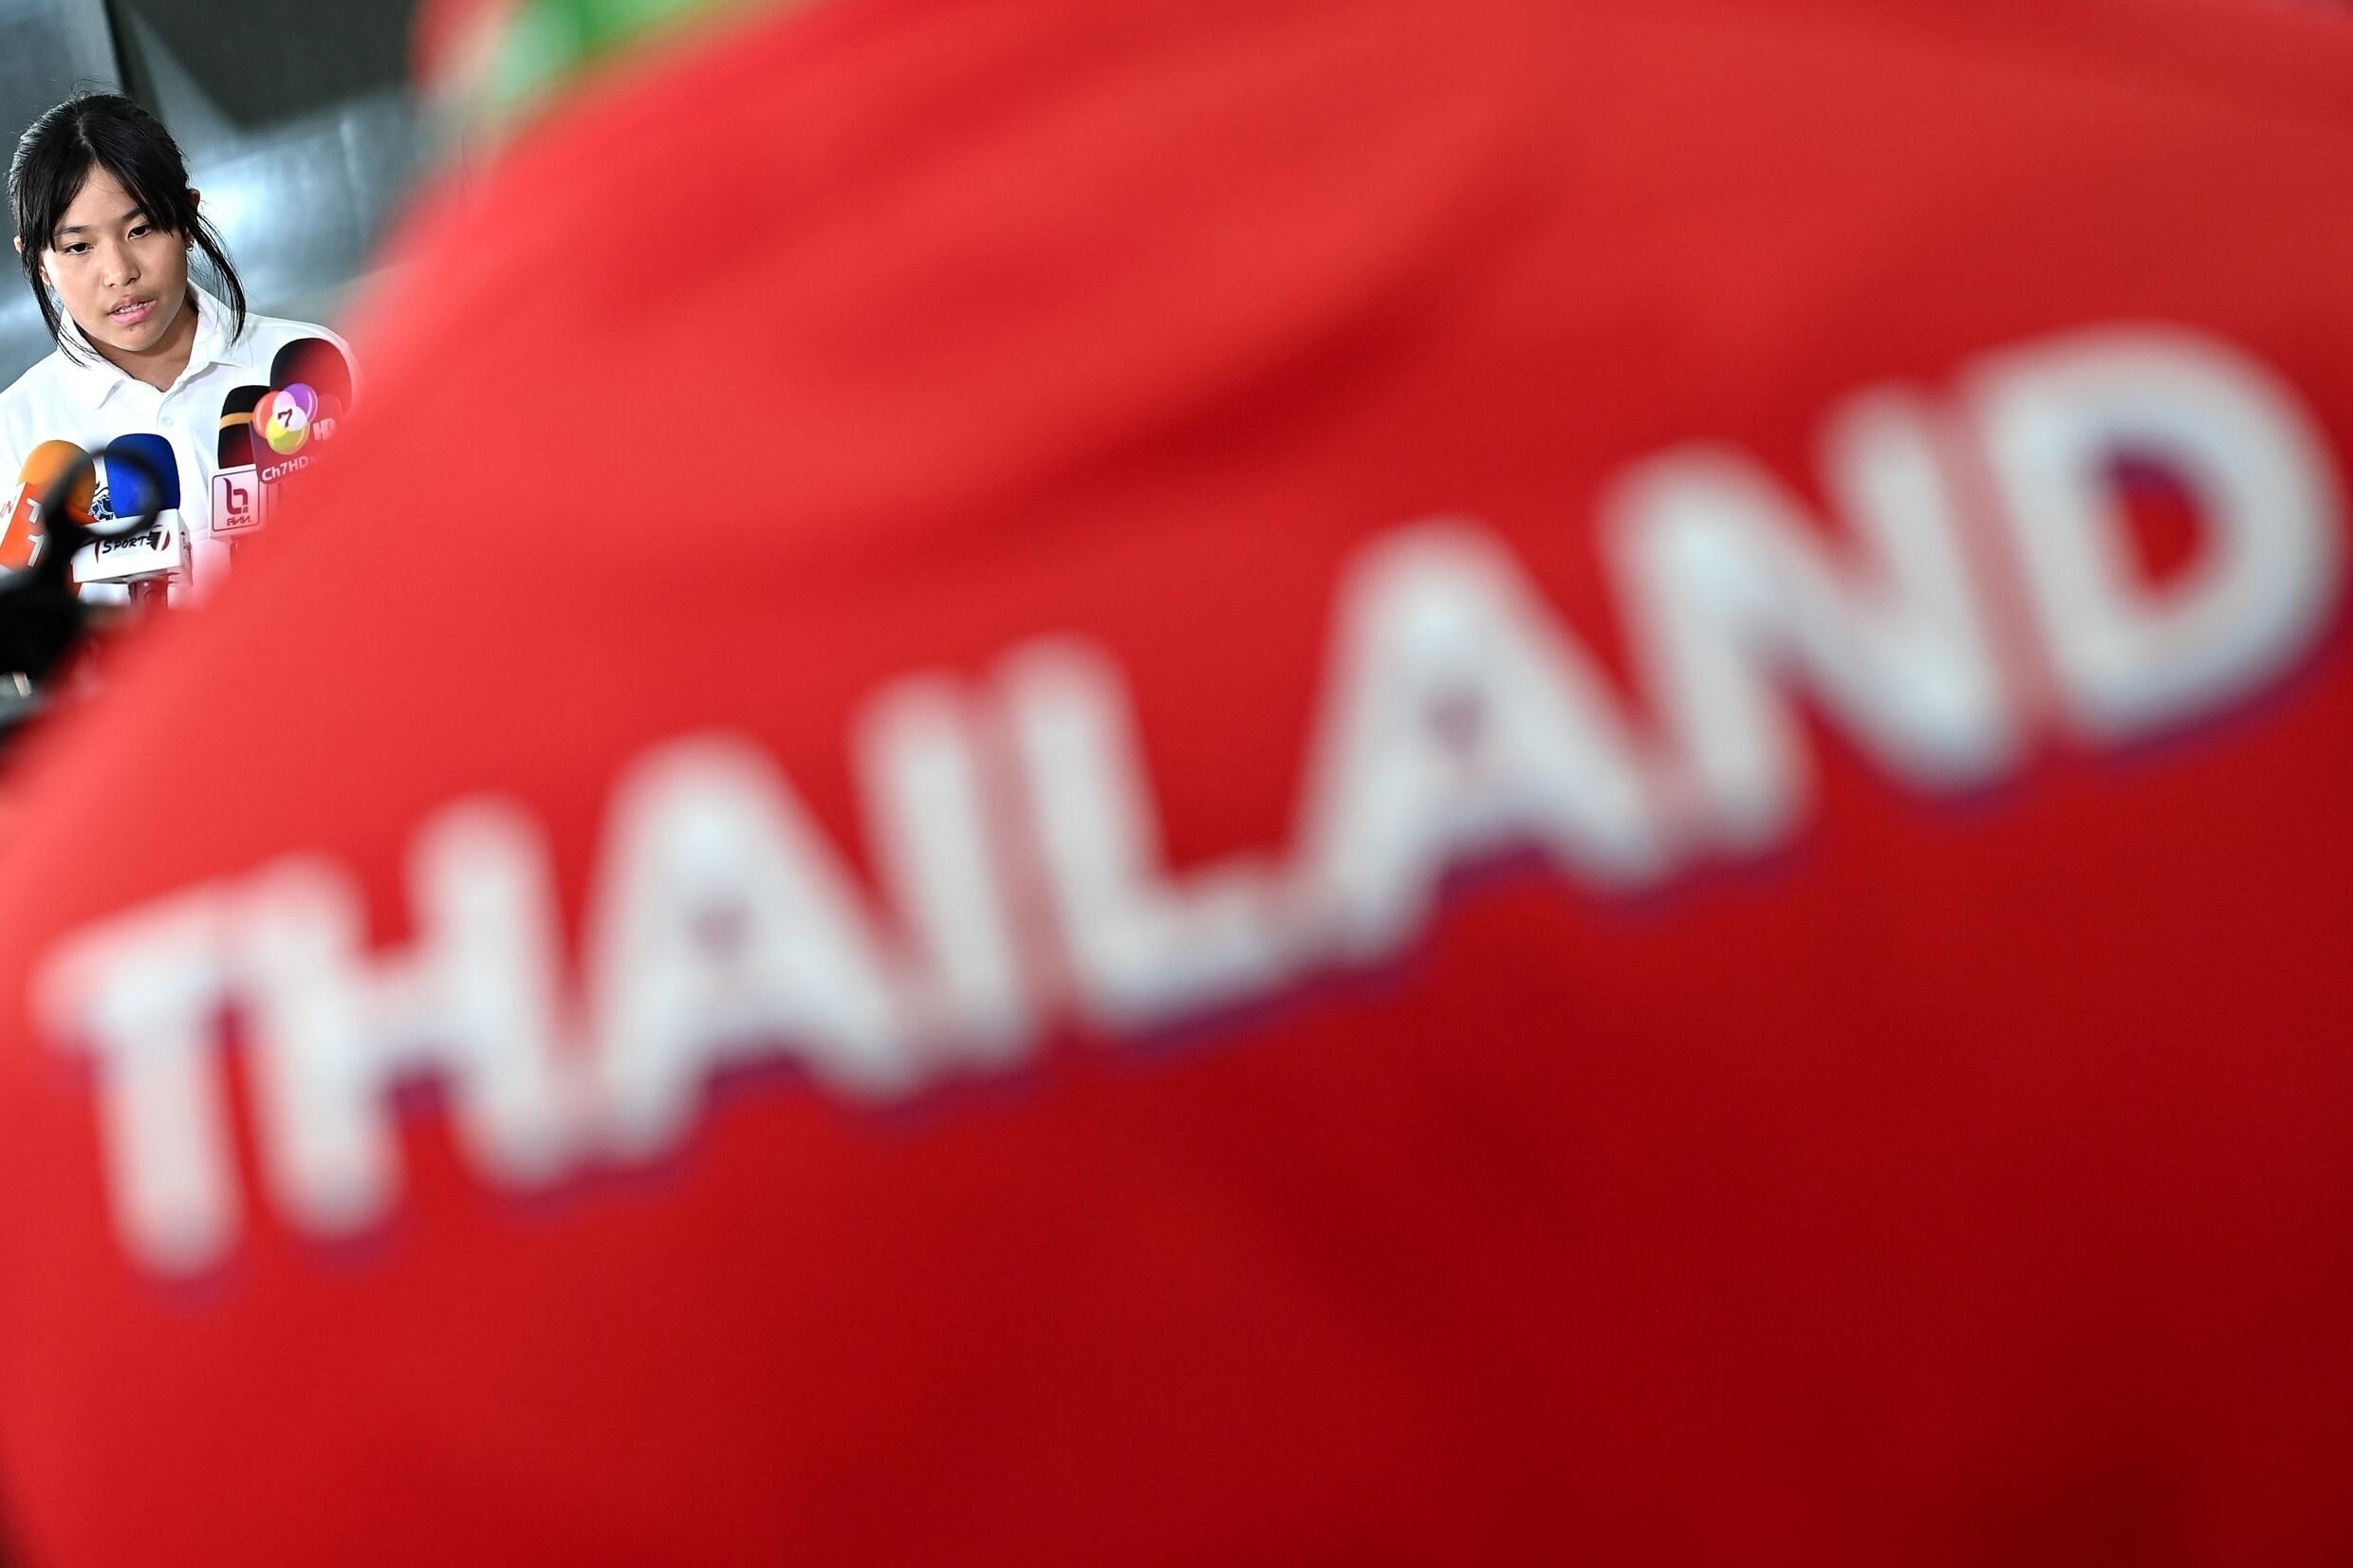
(54, 158)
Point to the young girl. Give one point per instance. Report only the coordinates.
(106, 226)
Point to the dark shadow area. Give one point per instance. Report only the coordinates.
(260, 62)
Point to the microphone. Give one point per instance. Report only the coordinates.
(316, 363)
(21, 541)
(41, 616)
(309, 389)
(140, 481)
(236, 480)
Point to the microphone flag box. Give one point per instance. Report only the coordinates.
(240, 501)
(151, 551)
(143, 478)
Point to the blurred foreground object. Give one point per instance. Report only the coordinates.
(490, 66)
(43, 618)
(1485, 783)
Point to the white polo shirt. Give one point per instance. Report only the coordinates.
(89, 402)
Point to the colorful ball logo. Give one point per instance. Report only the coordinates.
(283, 418)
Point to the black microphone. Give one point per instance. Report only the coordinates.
(236, 480)
(316, 363)
(310, 393)
(309, 388)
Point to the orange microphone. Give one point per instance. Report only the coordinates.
(21, 538)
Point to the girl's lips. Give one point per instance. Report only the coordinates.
(131, 314)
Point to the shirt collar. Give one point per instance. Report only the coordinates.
(95, 376)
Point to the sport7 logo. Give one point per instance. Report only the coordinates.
(148, 552)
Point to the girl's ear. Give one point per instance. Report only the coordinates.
(45, 265)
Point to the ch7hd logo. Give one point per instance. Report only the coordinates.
(288, 423)
(283, 418)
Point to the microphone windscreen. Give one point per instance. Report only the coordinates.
(48, 461)
(316, 363)
(236, 426)
(20, 539)
(135, 488)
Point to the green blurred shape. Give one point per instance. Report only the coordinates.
(552, 43)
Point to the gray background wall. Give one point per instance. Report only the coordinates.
(295, 116)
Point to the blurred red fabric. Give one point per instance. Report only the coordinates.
(1968, 1184)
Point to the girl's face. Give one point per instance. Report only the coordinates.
(124, 279)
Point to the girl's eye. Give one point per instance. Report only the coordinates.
(77, 247)
(139, 230)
